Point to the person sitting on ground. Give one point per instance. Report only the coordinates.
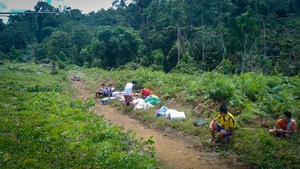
(224, 124)
(110, 90)
(129, 90)
(284, 127)
(145, 92)
(102, 91)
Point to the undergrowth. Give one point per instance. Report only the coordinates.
(256, 100)
(41, 127)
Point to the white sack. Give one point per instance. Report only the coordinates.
(174, 114)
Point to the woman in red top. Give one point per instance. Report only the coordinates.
(145, 92)
(284, 127)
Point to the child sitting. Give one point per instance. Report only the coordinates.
(103, 92)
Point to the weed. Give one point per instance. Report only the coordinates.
(41, 127)
(253, 98)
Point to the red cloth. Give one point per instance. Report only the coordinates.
(281, 124)
(146, 92)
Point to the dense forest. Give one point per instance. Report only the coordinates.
(186, 36)
(194, 54)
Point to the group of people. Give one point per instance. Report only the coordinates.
(105, 91)
(129, 92)
(224, 125)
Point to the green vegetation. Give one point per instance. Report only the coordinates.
(42, 127)
(184, 36)
(195, 54)
(255, 99)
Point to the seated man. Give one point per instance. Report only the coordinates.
(223, 123)
(110, 90)
(145, 92)
(284, 127)
(102, 91)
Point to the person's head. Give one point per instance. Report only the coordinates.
(103, 84)
(223, 110)
(287, 115)
(110, 85)
(134, 82)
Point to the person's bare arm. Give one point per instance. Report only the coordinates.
(278, 129)
(284, 131)
(212, 122)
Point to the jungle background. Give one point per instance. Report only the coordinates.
(195, 55)
(184, 36)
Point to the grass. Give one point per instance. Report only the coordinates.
(42, 127)
(256, 100)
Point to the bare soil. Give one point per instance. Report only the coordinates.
(174, 150)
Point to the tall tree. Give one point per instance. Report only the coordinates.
(198, 20)
(122, 45)
(140, 6)
(60, 42)
(17, 36)
(250, 29)
(42, 7)
(2, 25)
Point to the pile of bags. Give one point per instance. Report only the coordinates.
(149, 102)
(146, 104)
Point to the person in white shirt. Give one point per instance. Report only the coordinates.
(129, 90)
(110, 90)
(102, 91)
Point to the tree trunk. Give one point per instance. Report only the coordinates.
(244, 54)
(203, 45)
(265, 45)
(53, 67)
(221, 30)
(178, 44)
(118, 61)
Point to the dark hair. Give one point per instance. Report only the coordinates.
(288, 114)
(102, 84)
(134, 82)
(223, 109)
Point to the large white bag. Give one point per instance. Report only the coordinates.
(174, 114)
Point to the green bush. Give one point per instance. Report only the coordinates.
(221, 89)
(253, 85)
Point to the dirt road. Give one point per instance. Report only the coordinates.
(174, 150)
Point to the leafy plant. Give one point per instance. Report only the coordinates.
(43, 128)
(256, 101)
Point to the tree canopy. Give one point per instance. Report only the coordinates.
(247, 35)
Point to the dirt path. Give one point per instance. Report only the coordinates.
(173, 149)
